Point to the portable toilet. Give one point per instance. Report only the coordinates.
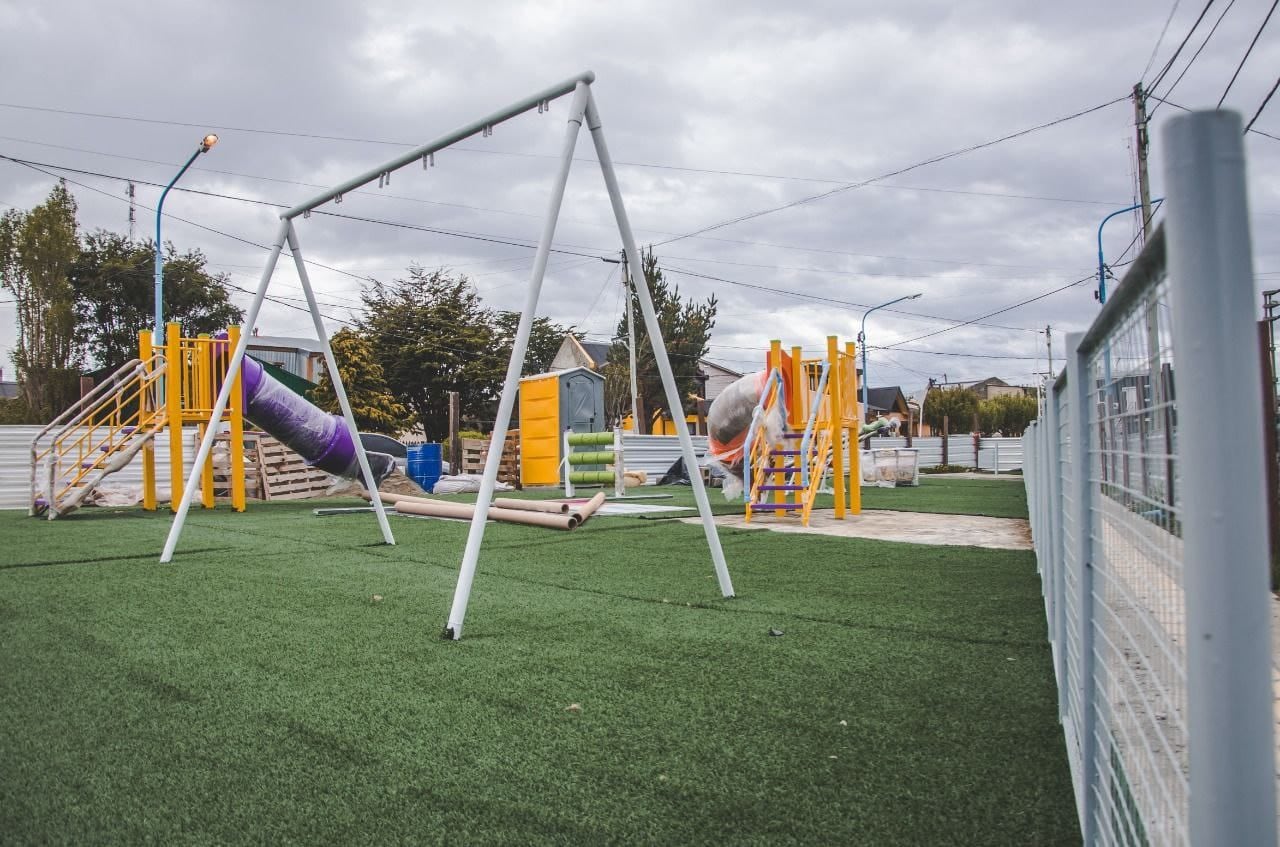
(550, 403)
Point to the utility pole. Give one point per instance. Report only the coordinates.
(455, 439)
(133, 212)
(1048, 343)
(631, 345)
(1144, 187)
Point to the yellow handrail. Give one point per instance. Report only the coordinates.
(95, 438)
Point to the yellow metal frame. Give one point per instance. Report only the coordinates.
(837, 416)
(168, 386)
(195, 369)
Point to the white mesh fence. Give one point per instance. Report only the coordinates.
(1139, 623)
(1148, 748)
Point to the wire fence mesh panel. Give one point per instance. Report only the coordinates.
(1070, 699)
(1139, 624)
(1152, 541)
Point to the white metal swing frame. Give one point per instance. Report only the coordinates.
(582, 108)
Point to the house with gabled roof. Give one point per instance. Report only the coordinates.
(994, 386)
(887, 401)
(575, 353)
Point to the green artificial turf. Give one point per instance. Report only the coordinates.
(254, 692)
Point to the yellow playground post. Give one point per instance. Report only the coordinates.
(191, 372)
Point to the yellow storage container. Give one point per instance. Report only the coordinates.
(550, 403)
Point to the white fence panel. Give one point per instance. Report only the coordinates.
(960, 451)
(15, 464)
(655, 454)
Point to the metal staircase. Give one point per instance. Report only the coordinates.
(96, 437)
(786, 466)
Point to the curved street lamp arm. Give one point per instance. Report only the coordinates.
(862, 344)
(159, 264)
(1102, 267)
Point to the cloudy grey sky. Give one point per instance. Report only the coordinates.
(713, 110)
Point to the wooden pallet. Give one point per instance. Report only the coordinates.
(475, 451)
(285, 475)
(222, 466)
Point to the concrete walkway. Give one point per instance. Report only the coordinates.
(911, 527)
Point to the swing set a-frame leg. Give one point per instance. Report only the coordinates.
(583, 107)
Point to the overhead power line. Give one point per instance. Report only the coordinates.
(1196, 55)
(285, 301)
(489, 239)
(293, 302)
(888, 186)
(1249, 128)
(1163, 31)
(1245, 58)
(862, 307)
(746, 242)
(993, 314)
(930, 161)
(488, 152)
(1169, 64)
(473, 236)
(1258, 113)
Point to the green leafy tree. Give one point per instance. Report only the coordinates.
(957, 404)
(372, 404)
(686, 329)
(37, 251)
(114, 283)
(432, 334)
(1008, 414)
(14, 410)
(545, 338)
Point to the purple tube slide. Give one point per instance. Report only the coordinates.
(317, 436)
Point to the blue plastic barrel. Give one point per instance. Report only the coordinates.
(425, 464)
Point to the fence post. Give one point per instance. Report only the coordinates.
(1224, 523)
(1269, 447)
(1031, 479)
(1078, 406)
(455, 439)
(977, 440)
(1053, 508)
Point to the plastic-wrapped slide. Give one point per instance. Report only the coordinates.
(730, 418)
(315, 435)
(728, 421)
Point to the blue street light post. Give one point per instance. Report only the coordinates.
(1101, 293)
(205, 144)
(862, 344)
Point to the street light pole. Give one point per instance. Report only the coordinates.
(1101, 293)
(205, 143)
(862, 343)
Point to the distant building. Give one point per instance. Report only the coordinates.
(718, 378)
(580, 354)
(995, 387)
(886, 402)
(303, 357)
(573, 353)
(915, 414)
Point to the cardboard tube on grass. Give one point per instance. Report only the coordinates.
(588, 508)
(531, 505)
(439, 509)
(391, 499)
